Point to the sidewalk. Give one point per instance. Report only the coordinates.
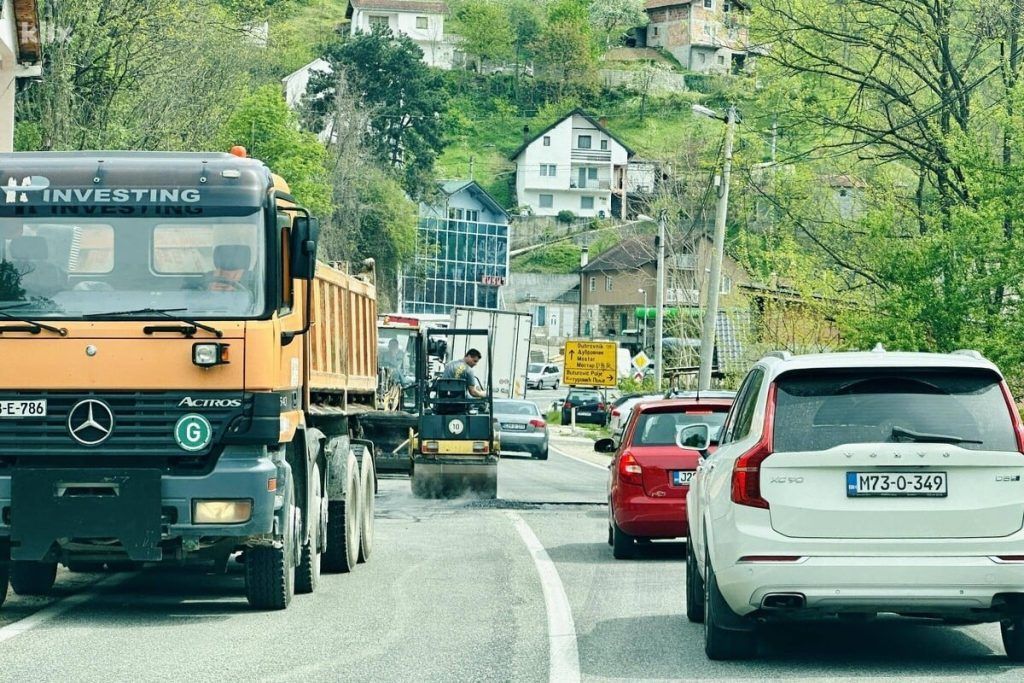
(578, 446)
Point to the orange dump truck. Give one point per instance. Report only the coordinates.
(171, 392)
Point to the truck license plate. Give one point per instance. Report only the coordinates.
(927, 484)
(19, 409)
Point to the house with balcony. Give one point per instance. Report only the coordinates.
(462, 252)
(707, 36)
(576, 164)
(421, 21)
(620, 284)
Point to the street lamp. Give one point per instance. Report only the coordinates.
(643, 347)
(707, 337)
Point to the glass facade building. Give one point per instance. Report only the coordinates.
(458, 263)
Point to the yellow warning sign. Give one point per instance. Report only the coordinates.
(590, 363)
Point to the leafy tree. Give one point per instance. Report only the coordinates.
(564, 45)
(406, 97)
(10, 282)
(612, 15)
(268, 129)
(486, 30)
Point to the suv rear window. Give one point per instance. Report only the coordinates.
(584, 397)
(822, 409)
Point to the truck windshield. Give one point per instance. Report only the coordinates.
(66, 268)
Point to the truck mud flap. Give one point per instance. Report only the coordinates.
(48, 505)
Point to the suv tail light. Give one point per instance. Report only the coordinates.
(630, 471)
(746, 471)
(539, 424)
(1018, 427)
(600, 407)
(616, 413)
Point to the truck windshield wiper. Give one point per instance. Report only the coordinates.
(31, 325)
(165, 312)
(920, 437)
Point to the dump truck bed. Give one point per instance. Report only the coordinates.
(343, 339)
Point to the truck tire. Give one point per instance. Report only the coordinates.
(307, 574)
(33, 578)
(270, 572)
(369, 507)
(342, 552)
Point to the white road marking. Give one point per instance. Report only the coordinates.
(585, 462)
(56, 609)
(563, 653)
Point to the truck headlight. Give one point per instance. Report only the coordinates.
(221, 511)
(207, 355)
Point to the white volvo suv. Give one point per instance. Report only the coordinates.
(857, 484)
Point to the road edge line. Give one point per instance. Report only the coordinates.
(573, 457)
(563, 651)
(59, 607)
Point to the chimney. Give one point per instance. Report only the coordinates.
(526, 133)
(603, 121)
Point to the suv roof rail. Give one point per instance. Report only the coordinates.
(781, 355)
(970, 353)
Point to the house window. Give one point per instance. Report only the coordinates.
(547, 201)
(547, 140)
(540, 315)
(583, 142)
(473, 215)
(608, 283)
(379, 23)
(550, 170)
(591, 173)
(604, 145)
(721, 59)
(709, 4)
(655, 31)
(726, 284)
(700, 58)
(623, 321)
(725, 6)
(592, 285)
(586, 202)
(421, 22)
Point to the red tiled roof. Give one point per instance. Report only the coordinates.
(402, 5)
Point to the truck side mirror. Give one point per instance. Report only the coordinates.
(305, 237)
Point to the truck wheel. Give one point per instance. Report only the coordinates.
(33, 578)
(694, 587)
(369, 508)
(307, 574)
(342, 552)
(721, 643)
(270, 572)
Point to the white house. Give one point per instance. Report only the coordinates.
(21, 56)
(295, 83)
(576, 164)
(421, 21)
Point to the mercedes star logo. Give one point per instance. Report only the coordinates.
(90, 422)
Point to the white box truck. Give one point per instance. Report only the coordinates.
(510, 346)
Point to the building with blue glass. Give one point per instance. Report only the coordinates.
(462, 252)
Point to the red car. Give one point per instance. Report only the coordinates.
(650, 472)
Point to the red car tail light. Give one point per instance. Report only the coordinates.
(539, 424)
(630, 471)
(600, 407)
(616, 413)
(746, 472)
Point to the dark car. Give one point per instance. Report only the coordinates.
(590, 404)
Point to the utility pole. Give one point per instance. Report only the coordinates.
(584, 260)
(659, 306)
(472, 158)
(707, 338)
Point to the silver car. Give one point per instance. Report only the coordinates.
(522, 427)
(541, 375)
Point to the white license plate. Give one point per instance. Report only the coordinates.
(18, 409)
(928, 484)
(513, 427)
(584, 414)
(682, 477)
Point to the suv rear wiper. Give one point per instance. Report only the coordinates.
(920, 437)
(165, 312)
(30, 325)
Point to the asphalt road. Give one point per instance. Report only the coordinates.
(522, 589)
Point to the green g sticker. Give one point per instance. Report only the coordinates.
(193, 432)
